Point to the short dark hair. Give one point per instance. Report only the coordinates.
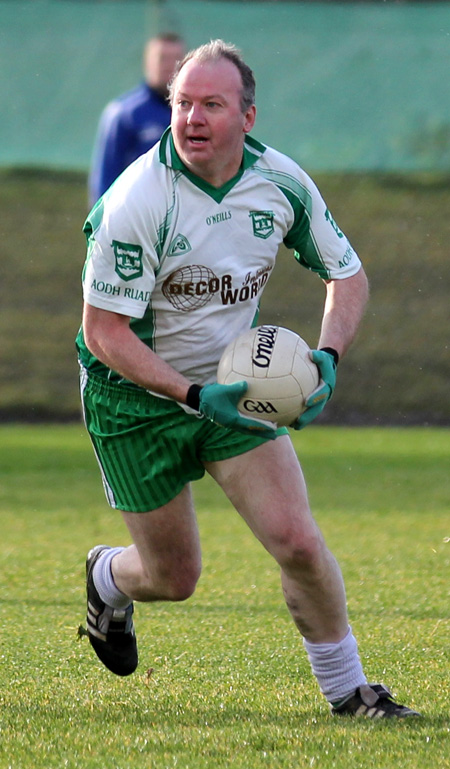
(214, 51)
(167, 37)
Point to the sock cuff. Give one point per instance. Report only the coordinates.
(337, 650)
(337, 666)
(104, 580)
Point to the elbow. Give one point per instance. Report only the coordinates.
(361, 274)
(104, 332)
(364, 285)
(91, 341)
(91, 332)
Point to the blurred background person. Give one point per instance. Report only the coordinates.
(131, 124)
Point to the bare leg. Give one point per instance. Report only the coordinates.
(164, 563)
(267, 488)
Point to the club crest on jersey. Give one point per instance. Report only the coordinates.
(128, 260)
(262, 223)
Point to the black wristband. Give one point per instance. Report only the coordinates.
(332, 352)
(193, 397)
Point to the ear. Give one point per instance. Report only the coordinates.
(249, 119)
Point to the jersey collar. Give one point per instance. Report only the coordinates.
(170, 158)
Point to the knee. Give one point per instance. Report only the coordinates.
(181, 585)
(301, 552)
(176, 582)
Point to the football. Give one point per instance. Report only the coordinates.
(280, 374)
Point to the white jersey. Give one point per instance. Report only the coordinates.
(188, 262)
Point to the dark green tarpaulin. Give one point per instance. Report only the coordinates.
(340, 86)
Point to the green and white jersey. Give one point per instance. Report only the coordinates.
(189, 262)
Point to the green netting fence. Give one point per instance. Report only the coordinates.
(341, 86)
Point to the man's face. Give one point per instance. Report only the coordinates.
(160, 59)
(208, 125)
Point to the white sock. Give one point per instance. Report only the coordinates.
(336, 666)
(104, 581)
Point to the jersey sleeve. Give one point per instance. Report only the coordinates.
(122, 247)
(318, 243)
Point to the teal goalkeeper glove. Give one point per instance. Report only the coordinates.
(219, 403)
(326, 361)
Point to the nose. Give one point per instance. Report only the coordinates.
(196, 115)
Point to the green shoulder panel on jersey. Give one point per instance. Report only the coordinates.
(164, 149)
(94, 218)
(90, 226)
(299, 237)
(253, 149)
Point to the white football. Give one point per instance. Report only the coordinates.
(280, 374)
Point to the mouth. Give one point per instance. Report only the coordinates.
(197, 140)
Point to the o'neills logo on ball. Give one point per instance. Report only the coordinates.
(265, 342)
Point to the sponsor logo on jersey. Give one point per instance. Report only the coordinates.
(193, 286)
(128, 260)
(262, 223)
(179, 246)
(190, 287)
(261, 276)
(265, 342)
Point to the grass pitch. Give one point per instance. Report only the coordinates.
(223, 680)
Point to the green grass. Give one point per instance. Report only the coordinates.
(230, 685)
(396, 372)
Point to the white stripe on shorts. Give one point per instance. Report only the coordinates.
(84, 376)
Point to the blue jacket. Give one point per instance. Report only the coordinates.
(129, 126)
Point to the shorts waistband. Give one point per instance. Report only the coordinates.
(103, 386)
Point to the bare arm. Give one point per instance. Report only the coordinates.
(109, 337)
(344, 307)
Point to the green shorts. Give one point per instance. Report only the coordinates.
(149, 448)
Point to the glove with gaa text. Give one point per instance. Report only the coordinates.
(218, 402)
